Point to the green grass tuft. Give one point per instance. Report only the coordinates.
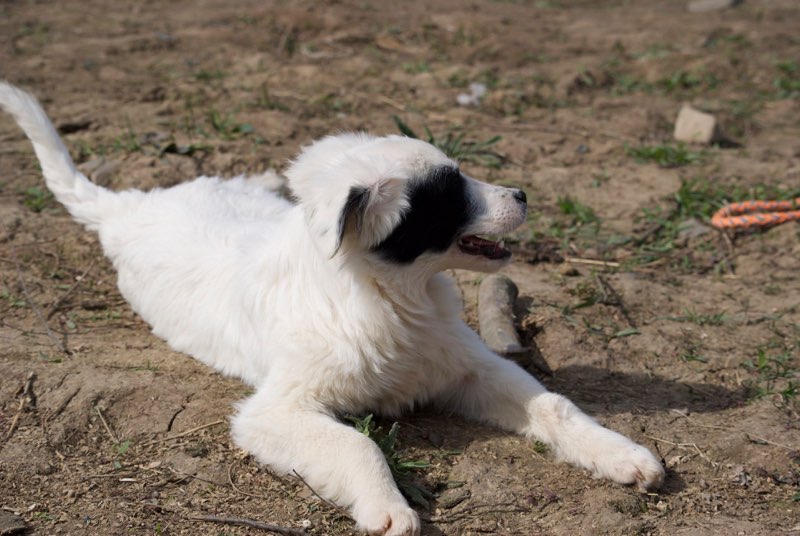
(666, 156)
(400, 467)
(455, 146)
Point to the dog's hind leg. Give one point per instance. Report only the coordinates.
(500, 392)
(337, 461)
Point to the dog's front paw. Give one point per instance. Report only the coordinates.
(393, 520)
(629, 463)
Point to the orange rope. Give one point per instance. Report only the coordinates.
(756, 213)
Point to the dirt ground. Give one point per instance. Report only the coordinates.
(683, 338)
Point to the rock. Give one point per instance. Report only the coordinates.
(692, 228)
(88, 167)
(701, 6)
(99, 169)
(694, 126)
(566, 269)
(476, 92)
(10, 523)
(496, 296)
(452, 497)
(104, 172)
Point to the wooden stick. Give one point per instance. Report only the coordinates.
(38, 312)
(107, 427)
(78, 280)
(243, 522)
(592, 262)
(748, 434)
(28, 398)
(684, 445)
(237, 490)
(318, 496)
(15, 419)
(182, 434)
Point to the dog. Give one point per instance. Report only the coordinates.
(335, 304)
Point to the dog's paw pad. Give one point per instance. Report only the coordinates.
(397, 521)
(637, 466)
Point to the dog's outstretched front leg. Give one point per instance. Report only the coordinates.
(500, 392)
(338, 462)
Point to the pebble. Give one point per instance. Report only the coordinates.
(692, 228)
(99, 169)
(11, 523)
(701, 6)
(566, 269)
(694, 126)
(104, 172)
(473, 98)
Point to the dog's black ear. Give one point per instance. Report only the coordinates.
(353, 210)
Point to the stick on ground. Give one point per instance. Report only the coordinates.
(187, 432)
(243, 522)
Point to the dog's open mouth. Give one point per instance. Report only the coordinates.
(475, 245)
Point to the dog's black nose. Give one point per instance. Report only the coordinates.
(520, 196)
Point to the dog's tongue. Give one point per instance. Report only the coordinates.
(475, 245)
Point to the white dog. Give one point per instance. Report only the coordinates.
(332, 305)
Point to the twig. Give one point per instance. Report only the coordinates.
(684, 445)
(104, 475)
(38, 312)
(617, 299)
(452, 517)
(593, 262)
(318, 496)
(78, 280)
(192, 476)
(62, 405)
(243, 522)
(28, 398)
(182, 434)
(27, 389)
(15, 419)
(729, 429)
(107, 427)
(391, 102)
(237, 490)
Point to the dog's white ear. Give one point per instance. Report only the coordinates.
(371, 211)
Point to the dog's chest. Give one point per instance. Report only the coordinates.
(410, 365)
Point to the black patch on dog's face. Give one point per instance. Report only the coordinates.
(439, 211)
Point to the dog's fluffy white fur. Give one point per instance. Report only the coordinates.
(332, 305)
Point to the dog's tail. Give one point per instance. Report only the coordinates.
(71, 187)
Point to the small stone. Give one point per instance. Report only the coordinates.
(673, 461)
(104, 172)
(496, 296)
(692, 228)
(582, 149)
(477, 91)
(566, 269)
(452, 497)
(694, 126)
(99, 169)
(701, 6)
(11, 523)
(88, 167)
(436, 439)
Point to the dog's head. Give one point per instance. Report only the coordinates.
(402, 201)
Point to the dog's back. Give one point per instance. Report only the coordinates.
(183, 255)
